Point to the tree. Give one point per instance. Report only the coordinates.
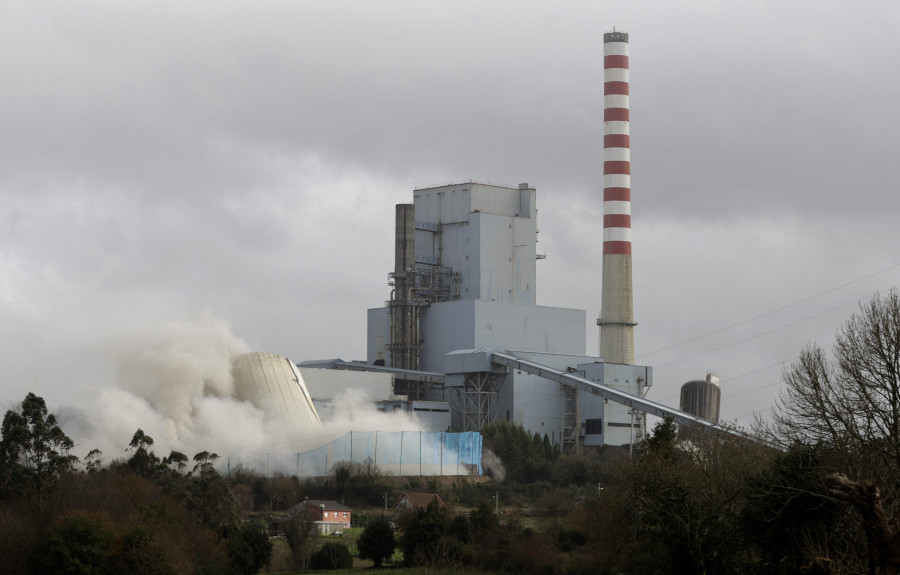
(850, 405)
(302, 536)
(93, 461)
(176, 461)
(515, 447)
(483, 519)
(685, 500)
(34, 451)
(377, 541)
(663, 438)
(79, 545)
(422, 534)
(331, 555)
(249, 548)
(209, 496)
(788, 520)
(143, 461)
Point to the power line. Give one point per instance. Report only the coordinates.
(746, 373)
(746, 321)
(745, 392)
(773, 330)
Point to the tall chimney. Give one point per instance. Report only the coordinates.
(617, 310)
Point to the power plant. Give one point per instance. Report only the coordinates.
(461, 338)
(468, 285)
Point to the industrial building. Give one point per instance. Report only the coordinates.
(465, 283)
(462, 342)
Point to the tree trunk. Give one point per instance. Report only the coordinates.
(882, 536)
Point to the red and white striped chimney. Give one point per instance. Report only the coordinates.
(617, 310)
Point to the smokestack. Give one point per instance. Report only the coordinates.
(617, 310)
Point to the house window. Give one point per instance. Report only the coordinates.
(345, 513)
(326, 514)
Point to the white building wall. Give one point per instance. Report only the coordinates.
(506, 261)
(467, 324)
(620, 426)
(330, 383)
(529, 327)
(537, 403)
(486, 233)
(378, 335)
(433, 415)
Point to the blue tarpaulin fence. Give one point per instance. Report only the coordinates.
(395, 452)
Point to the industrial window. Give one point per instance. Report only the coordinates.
(593, 426)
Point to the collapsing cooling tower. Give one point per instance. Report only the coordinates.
(273, 384)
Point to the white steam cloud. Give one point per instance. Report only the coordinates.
(174, 382)
(492, 465)
(353, 410)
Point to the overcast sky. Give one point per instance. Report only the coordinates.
(238, 162)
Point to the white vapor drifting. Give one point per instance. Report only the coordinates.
(175, 383)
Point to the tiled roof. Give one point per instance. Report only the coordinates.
(424, 499)
(329, 505)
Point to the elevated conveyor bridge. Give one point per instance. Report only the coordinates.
(633, 401)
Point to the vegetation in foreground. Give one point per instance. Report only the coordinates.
(818, 494)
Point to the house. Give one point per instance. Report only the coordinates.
(328, 516)
(410, 501)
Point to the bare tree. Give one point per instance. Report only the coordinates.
(850, 403)
(849, 406)
(302, 535)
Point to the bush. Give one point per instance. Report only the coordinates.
(79, 544)
(331, 556)
(249, 548)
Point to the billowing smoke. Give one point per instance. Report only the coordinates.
(492, 465)
(353, 410)
(175, 383)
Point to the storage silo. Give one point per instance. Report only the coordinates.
(702, 397)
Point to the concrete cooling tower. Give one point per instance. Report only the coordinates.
(273, 384)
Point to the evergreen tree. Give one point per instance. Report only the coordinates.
(377, 541)
(34, 451)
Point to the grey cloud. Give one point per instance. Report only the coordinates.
(158, 161)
